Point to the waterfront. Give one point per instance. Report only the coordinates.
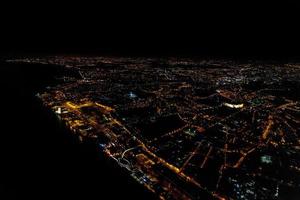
(41, 159)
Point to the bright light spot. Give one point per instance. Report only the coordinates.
(266, 159)
(132, 95)
(234, 105)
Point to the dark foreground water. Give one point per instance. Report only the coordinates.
(39, 158)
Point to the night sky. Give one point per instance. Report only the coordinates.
(153, 29)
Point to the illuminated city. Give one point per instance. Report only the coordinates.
(185, 128)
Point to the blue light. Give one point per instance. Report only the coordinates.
(132, 95)
(102, 146)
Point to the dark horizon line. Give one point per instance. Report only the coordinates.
(130, 53)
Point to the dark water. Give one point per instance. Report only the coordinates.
(39, 158)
